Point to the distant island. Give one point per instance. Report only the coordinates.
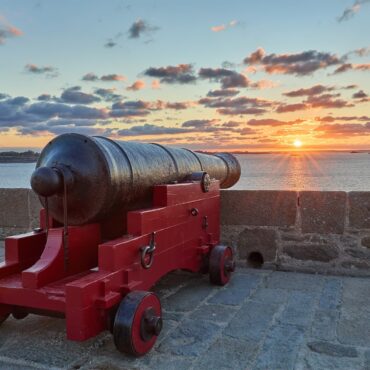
(19, 157)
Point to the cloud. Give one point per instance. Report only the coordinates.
(227, 77)
(349, 12)
(137, 85)
(263, 84)
(74, 95)
(349, 66)
(222, 93)
(285, 108)
(110, 44)
(359, 95)
(149, 129)
(272, 122)
(344, 129)
(90, 77)
(182, 74)
(299, 64)
(108, 94)
(316, 101)
(223, 27)
(48, 71)
(198, 123)
(155, 85)
(342, 118)
(139, 28)
(113, 77)
(7, 31)
(314, 90)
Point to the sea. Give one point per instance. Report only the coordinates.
(286, 171)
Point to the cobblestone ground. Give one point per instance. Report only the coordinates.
(261, 320)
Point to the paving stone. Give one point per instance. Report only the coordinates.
(312, 252)
(315, 361)
(268, 296)
(280, 348)
(251, 321)
(359, 209)
(237, 290)
(11, 364)
(275, 208)
(107, 363)
(330, 297)
(50, 334)
(367, 360)
(191, 338)
(214, 313)
(189, 296)
(287, 280)
(323, 212)
(324, 324)
(332, 349)
(299, 308)
(262, 241)
(228, 353)
(165, 362)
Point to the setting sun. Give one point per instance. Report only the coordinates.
(297, 143)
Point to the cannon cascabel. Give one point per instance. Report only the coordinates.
(102, 175)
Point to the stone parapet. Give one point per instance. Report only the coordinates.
(312, 231)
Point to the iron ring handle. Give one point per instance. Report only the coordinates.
(148, 249)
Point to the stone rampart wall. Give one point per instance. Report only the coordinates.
(326, 232)
(313, 231)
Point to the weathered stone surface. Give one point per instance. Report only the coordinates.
(361, 253)
(14, 208)
(318, 361)
(258, 313)
(34, 209)
(362, 265)
(280, 348)
(258, 208)
(322, 212)
(305, 282)
(359, 209)
(237, 291)
(228, 353)
(332, 349)
(299, 308)
(191, 338)
(312, 252)
(258, 240)
(331, 294)
(324, 324)
(366, 242)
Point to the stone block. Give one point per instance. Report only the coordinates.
(213, 312)
(324, 325)
(34, 209)
(359, 209)
(14, 208)
(331, 295)
(228, 353)
(258, 240)
(280, 349)
(258, 208)
(332, 349)
(252, 321)
(366, 242)
(323, 212)
(312, 252)
(292, 281)
(237, 290)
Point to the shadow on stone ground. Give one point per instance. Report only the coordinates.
(261, 320)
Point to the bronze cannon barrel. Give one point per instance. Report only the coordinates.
(100, 175)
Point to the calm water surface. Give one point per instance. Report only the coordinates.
(317, 171)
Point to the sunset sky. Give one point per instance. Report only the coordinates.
(210, 74)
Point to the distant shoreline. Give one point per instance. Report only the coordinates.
(16, 157)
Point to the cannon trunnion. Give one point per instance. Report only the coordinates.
(167, 202)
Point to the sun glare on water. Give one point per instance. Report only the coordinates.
(297, 143)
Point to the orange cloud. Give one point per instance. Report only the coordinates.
(223, 27)
(137, 85)
(7, 30)
(156, 84)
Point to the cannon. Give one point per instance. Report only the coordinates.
(116, 218)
